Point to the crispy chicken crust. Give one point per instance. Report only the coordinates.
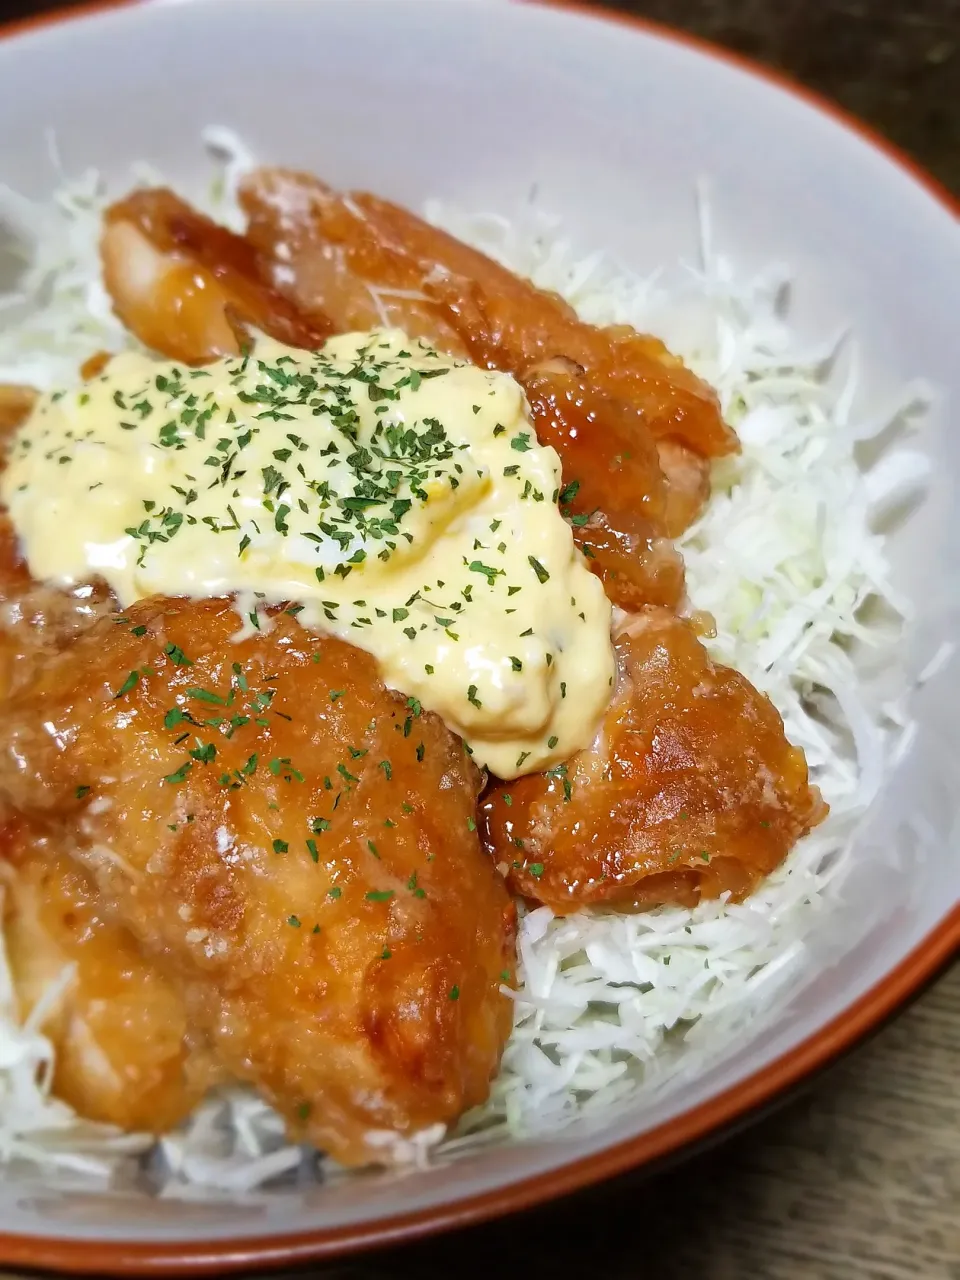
(190, 288)
(124, 1053)
(691, 790)
(633, 426)
(16, 401)
(606, 399)
(295, 846)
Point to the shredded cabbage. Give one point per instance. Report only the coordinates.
(789, 559)
(34, 1126)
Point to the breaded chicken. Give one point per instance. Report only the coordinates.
(287, 222)
(355, 263)
(687, 477)
(501, 320)
(37, 620)
(315, 261)
(16, 401)
(602, 397)
(615, 495)
(189, 288)
(124, 1053)
(692, 789)
(296, 845)
(34, 619)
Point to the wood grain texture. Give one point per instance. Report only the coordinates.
(896, 65)
(859, 1179)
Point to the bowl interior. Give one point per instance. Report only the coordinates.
(478, 103)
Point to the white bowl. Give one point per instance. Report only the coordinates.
(615, 122)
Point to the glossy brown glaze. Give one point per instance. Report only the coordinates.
(287, 208)
(503, 321)
(16, 401)
(687, 477)
(189, 288)
(601, 397)
(295, 845)
(36, 620)
(692, 789)
(614, 497)
(124, 1053)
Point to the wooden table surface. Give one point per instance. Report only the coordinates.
(860, 1178)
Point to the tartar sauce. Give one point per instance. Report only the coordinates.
(399, 497)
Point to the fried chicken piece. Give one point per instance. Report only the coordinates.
(285, 223)
(295, 843)
(354, 262)
(692, 789)
(191, 289)
(687, 477)
(597, 395)
(124, 1053)
(503, 321)
(34, 619)
(16, 401)
(37, 620)
(615, 498)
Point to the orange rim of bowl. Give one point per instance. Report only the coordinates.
(843, 1032)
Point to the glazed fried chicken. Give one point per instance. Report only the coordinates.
(635, 431)
(16, 401)
(615, 495)
(692, 789)
(294, 846)
(190, 288)
(34, 619)
(124, 1053)
(604, 398)
(501, 320)
(37, 620)
(634, 428)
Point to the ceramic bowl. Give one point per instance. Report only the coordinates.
(472, 101)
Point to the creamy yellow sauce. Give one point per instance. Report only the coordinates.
(401, 498)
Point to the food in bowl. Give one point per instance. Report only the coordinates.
(346, 619)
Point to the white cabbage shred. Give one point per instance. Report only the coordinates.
(788, 559)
